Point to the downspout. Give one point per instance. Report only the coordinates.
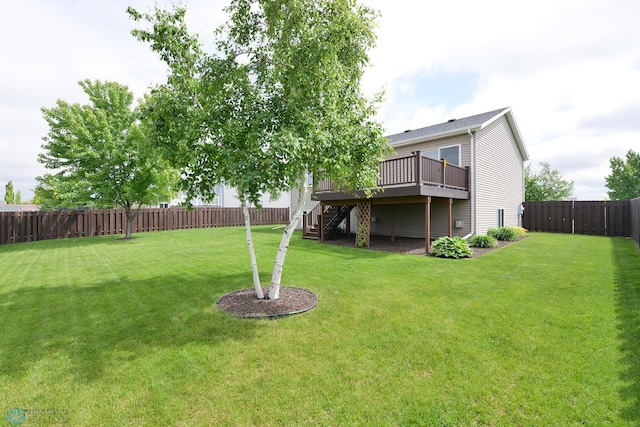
(473, 184)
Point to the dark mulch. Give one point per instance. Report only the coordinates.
(244, 303)
(403, 245)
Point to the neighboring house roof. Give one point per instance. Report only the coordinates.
(4, 207)
(457, 126)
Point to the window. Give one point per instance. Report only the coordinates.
(450, 154)
(500, 217)
(432, 154)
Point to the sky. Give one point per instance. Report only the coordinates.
(569, 70)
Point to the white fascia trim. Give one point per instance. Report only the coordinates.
(514, 130)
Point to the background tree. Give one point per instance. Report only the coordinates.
(57, 191)
(101, 154)
(624, 180)
(547, 185)
(279, 98)
(18, 197)
(9, 195)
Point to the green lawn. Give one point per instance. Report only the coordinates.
(543, 332)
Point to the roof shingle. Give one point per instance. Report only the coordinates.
(450, 126)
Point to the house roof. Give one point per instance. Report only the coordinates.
(457, 126)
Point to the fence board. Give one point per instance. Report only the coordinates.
(18, 227)
(634, 219)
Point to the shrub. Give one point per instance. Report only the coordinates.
(483, 241)
(521, 231)
(451, 247)
(507, 234)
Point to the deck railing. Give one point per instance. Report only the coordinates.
(404, 171)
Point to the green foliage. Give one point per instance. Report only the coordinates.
(451, 247)
(624, 180)
(101, 154)
(9, 195)
(483, 241)
(547, 185)
(507, 234)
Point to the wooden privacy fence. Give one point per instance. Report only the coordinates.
(604, 218)
(18, 227)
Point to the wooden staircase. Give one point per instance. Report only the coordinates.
(332, 217)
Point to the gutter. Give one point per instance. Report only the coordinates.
(473, 184)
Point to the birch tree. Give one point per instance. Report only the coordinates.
(277, 97)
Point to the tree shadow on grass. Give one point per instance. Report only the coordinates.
(627, 262)
(94, 327)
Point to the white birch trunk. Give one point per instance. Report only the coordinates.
(252, 254)
(274, 287)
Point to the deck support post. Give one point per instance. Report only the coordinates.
(393, 224)
(427, 225)
(450, 221)
(363, 224)
(321, 222)
(304, 224)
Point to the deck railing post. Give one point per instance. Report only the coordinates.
(418, 167)
(467, 180)
(444, 172)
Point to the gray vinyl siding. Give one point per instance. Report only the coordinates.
(462, 140)
(409, 219)
(499, 176)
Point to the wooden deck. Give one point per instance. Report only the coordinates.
(413, 175)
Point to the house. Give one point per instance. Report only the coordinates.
(461, 178)
(227, 197)
(22, 207)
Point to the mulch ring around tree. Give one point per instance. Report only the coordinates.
(244, 303)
